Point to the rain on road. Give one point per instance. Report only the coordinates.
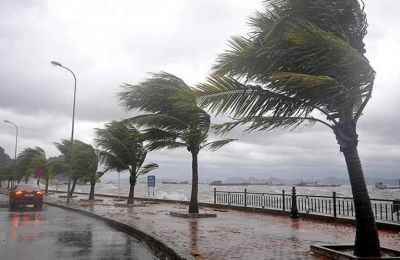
(54, 233)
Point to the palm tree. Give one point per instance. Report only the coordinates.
(84, 160)
(94, 177)
(24, 162)
(303, 62)
(172, 120)
(121, 149)
(5, 173)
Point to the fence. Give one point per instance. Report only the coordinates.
(384, 210)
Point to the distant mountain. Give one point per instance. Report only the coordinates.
(5, 159)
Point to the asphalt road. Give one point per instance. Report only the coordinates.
(54, 233)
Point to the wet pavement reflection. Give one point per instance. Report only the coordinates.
(232, 234)
(54, 233)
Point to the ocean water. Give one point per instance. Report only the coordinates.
(182, 191)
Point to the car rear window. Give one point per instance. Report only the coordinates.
(27, 187)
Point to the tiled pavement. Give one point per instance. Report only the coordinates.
(233, 234)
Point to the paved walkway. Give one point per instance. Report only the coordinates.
(54, 233)
(233, 234)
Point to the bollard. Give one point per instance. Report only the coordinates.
(283, 200)
(334, 204)
(215, 195)
(294, 212)
(245, 198)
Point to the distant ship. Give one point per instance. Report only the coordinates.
(220, 183)
(315, 184)
(169, 182)
(175, 182)
(382, 186)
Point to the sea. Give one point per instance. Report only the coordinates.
(182, 191)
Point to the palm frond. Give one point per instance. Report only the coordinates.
(224, 95)
(213, 146)
(147, 168)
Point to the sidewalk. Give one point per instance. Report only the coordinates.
(232, 235)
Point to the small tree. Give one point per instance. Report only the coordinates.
(84, 160)
(94, 177)
(25, 168)
(5, 173)
(173, 120)
(121, 149)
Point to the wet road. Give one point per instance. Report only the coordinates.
(54, 233)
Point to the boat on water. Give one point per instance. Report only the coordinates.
(382, 186)
(220, 183)
(315, 184)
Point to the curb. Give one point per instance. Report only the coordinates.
(161, 250)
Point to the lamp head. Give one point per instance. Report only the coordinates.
(56, 63)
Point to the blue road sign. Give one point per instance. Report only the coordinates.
(151, 181)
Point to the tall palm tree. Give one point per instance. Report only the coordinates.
(303, 62)
(172, 120)
(121, 149)
(84, 160)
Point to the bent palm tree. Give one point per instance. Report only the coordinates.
(121, 148)
(303, 62)
(173, 120)
(84, 160)
(24, 162)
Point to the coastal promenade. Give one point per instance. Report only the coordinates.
(231, 235)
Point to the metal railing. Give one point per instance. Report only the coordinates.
(336, 206)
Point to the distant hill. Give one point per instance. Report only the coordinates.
(5, 159)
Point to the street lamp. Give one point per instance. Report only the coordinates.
(56, 63)
(16, 144)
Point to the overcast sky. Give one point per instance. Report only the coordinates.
(107, 43)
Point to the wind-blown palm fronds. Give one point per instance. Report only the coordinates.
(302, 62)
(120, 148)
(172, 119)
(84, 161)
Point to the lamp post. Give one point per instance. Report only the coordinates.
(56, 63)
(15, 150)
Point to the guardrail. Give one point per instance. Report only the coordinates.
(336, 206)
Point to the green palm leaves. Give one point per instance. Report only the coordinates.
(302, 56)
(84, 160)
(172, 119)
(121, 148)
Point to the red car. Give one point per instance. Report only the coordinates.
(26, 194)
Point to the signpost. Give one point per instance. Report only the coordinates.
(151, 182)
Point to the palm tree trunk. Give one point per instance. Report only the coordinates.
(91, 194)
(132, 182)
(46, 188)
(194, 205)
(71, 192)
(367, 239)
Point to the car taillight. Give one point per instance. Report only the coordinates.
(39, 193)
(18, 192)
